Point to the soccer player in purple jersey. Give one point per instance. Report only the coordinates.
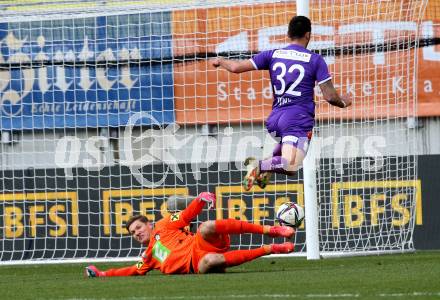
(293, 72)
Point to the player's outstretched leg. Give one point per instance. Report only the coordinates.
(219, 261)
(281, 231)
(264, 178)
(211, 229)
(286, 162)
(285, 159)
(237, 257)
(253, 171)
(286, 247)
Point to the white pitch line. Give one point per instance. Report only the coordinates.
(275, 296)
(415, 294)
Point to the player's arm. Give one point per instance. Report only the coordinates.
(234, 66)
(184, 218)
(331, 95)
(139, 269)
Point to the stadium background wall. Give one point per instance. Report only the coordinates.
(113, 93)
(46, 215)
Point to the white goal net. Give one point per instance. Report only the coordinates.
(368, 192)
(108, 111)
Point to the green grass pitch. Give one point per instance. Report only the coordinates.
(402, 276)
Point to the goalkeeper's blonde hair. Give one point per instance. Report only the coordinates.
(130, 221)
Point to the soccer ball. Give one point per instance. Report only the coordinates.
(290, 214)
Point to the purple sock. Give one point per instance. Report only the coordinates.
(275, 164)
(277, 150)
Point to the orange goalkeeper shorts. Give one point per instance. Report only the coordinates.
(203, 247)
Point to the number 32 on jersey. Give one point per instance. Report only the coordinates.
(281, 68)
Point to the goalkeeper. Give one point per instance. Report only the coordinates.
(172, 249)
(293, 72)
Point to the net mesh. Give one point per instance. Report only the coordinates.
(368, 190)
(110, 110)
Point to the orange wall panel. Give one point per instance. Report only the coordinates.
(200, 95)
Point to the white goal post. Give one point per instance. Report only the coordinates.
(310, 184)
(111, 111)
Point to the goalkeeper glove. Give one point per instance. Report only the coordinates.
(208, 198)
(92, 271)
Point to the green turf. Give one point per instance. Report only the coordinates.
(405, 276)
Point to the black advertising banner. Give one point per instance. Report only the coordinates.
(44, 214)
(427, 235)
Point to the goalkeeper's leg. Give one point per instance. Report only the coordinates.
(212, 230)
(219, 261)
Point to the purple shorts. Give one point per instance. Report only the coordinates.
(291, 126)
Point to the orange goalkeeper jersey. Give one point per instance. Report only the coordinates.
(171, 245)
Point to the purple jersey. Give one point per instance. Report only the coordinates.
(293, 72)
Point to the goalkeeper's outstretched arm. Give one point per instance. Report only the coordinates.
(185, 217)
(138, 269)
